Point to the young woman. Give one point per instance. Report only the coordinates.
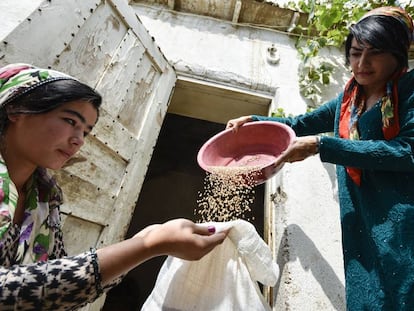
(44, 118)
(373, 147)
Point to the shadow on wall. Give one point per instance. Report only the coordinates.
(331, 171)
(311, 259)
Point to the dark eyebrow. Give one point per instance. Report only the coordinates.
(357, 48)
(360, 48)
(81, 117)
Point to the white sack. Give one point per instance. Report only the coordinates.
(223, 280)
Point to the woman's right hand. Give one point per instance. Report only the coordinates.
(181, 238)
(236, 123)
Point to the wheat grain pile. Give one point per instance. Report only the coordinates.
(227, 195)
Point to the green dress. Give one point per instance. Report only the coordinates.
(377, 218)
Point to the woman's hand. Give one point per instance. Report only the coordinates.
(302, 148)
(181, 238)
(236, 123)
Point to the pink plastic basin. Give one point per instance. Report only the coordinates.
(256, 144)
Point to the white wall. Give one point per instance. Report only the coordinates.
(308, 240)
(13, 12)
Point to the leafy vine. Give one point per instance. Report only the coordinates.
(328, 25)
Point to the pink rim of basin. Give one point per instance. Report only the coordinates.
(257, 144)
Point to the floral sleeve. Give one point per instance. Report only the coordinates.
(35, 273)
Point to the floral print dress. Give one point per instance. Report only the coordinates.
(35, 272)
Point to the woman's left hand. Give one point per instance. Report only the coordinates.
(302, 148)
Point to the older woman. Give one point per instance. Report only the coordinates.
(44, 118)
(373, 147)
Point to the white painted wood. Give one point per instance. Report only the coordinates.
(85, 233)
(112, 133)
(103, 44)
(120, 74)
(131, 19)
(90, 51)
(137, 167)
(43, 35)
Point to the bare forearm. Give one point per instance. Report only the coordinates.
(117, 259)
(180, 238)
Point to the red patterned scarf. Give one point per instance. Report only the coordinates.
(353, 105)
(353, 102)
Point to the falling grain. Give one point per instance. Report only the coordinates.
(228, 193)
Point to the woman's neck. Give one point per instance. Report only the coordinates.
(19, 172)
(372, 95)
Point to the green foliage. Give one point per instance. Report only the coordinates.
(279, 113)
(328, 24)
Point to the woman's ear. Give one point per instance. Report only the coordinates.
(13, 117)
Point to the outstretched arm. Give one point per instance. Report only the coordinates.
(71, 282)
(179, 238)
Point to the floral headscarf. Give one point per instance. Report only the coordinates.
(353, 102)
(18, 79)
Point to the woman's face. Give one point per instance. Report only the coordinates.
(50, 139)
(371, 67)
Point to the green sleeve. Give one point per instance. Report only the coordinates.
(320, 120)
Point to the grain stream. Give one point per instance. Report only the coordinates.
(227, 195)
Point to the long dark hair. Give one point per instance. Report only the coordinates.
(382, 32)
(47, 97)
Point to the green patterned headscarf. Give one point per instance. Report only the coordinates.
(18, 79)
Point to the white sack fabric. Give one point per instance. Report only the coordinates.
(223, 280)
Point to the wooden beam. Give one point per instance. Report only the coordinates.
(171, 4)
(236, 13)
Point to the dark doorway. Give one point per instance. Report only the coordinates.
(170, 190)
